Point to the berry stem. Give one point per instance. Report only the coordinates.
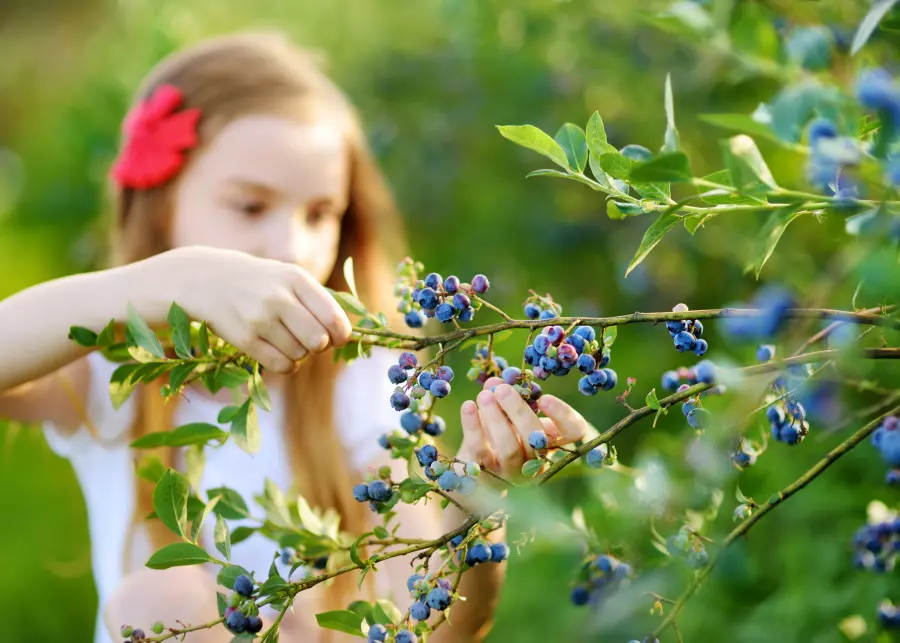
(825, 332)
(446, 495)
(810, 475)
(488, 304)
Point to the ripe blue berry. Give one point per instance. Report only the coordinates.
(595, 457)
(480, 284)
(567, 355)
(444, 373)
(611, 379)
(445, 312)
(436, 427)
(775, 414)
(379, 490)
(428, 299)
(687, 407)
(433, 281)
(480, 553)
(670, 380)
(236, 622)
(531, 356)
(511, 375)
(586, 388)
(538, 440)
(461, 301)
(580, 596)
(425, 379)
(586, 363)
(377, 633)
(577, 341)
(405, 636)
(796, 410)
(550, 364)
(451, 285)
(254, 624)
(699, 418)
(396, 374)
(706, 372)
(457, 541)
(466, 315)
(541, 344)
(415, 319)
(399, 401)
(765, 353)
(586, 332)
(675, 327)
(604, 358)
(597, 377)
(361, 492)
(243, 585)
(697, 329)
(449, 480)
(411, 422)
(412, 580)
(499, 552)
(420, 611)
(548, 314)
(407, 360)
(684, 341)
(439, 599)
(532, 311)
(427, 454)
(555, 334)
(440, 388)
(700, 347)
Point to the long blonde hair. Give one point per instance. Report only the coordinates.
(228, 77)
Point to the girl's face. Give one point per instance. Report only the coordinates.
(268, 186)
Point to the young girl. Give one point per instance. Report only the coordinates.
(242, 185)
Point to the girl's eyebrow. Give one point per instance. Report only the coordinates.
(256, 186)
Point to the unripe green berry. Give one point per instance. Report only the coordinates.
(417, 392)
(384, 472)
(234, 599)
(126, 631)
(414, 405)
(157, 627)
(472, 374)
(472, 469)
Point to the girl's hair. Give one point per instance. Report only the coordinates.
(228, 77)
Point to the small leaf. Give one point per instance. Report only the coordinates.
(385, 612)
(241, 534)
(221, 604)
(770, 234)
(229, 574)
(258, 391)
(203, 338)
(181, 331)
(694, 222)
(349, 303)
(83, 336)
(654, 235)
(180, 373)
(342, 621)
(571, 139)
(194, 433)
(349, 277)
(354, 550)
(308, 517)
(231, 505)
(535, 140)
(609, 335)
(749, 172)
(227, 414)
(178, 555)
(617, 165)
(381, 533)
(107, 336)
(245, 429)
(223, 538)
(170, 498)
(671, 143)
(739, 495)
(653, 401)
(595, 134)
(195, 462)
(742, 123)
(878, 11)
(572, 177)
(672, 167)
(200, 517)
(142, 334)
(151, 468)
(532, 467)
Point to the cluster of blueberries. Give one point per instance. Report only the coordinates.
(478, 551)
(485, 365)
(744, 454)
(685, 544)
(889, 615)
(773, 302)
(445, 299)
(376, 492)
(875, 546)
(600, 577)
(443, 472)
(538, 310)
(436, 382)
(686, 333)
(787, 417)
(236, 620)
(137, 635)
(595, 458)
(553, 352)
(886, 439)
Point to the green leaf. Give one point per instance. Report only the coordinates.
(120, 384)
(749, 172)
(195, 462)
(381, 533)
(178, 555)
(242, 533)
(181, 331)
(342, 621)
(258, 392)
(609, 335)
(221, 603)
(83, 336)
(180, 373)
(308, 518)
(617, 165)
(107, 336)
(229, 574)
(595, 133)
(245, 428)
(770, 235)
(571, 139)
(671, 143)
(349, 303)
(223, 538)
(878, 11)
(417, 485)
(693, 222)
(652, 400)
(203, 339)
(349, 276)
(231, 505)
(227, 414)
(151, 468)
(170, 501)
(672, 167)
(572, 177)
(200, 517)
(531, 467)
(742, 123)
(654, 235)
(385, 612)
(142, 334)
(739, 495)
(536, 140)
(194, 433)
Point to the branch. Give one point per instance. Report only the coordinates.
(810, 475)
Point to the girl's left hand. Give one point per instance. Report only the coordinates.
(496, 427)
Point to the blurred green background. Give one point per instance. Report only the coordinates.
(432, 79)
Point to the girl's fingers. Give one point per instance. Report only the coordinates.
(475, 445)
(491, 381)
(505, 439)
(570, 423)
(520, 415)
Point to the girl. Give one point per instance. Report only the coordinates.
(242, 185)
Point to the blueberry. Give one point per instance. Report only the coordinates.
(699, 418)
(605, 564)
(890, 423)
(428, 299)
(456, 541)
(550, 364)
(399, 401)
(254, 624)
(446, 584)
(796, 410)
(415, 319)
(411, 422)
(427, 454)
(436, 427)
(587, 332)
(597, 377)
(435, 469)
(765, 353)
(684, 341)
(236, 622)
(775, 415)
(562, 371)
(511, 375)
(548, 314)
(790, 434)
(461, 302)
(697, 330)
(555, 334)
(670, 380)
(706, 372)
(604, 358)
(449, 481)
(480, 552)
(577, 342)
(451, 285)
(532, 311)
(379, 490)
(420, 611)
(541, 344)
(538, 440)
(425, 379)
(412, 580)
(586, 363)
(532, 358)
(586, 388)
(480, 284)
(444, 373)
(467, 486)
(499, 552)
(540, 373)
(439, 599)
(741, 459)
(243, 585)
(407, 360)
(433, 281)
(700, 347)
(611, 379)
(687, 407)
(675, 327)
(445, 312)
(440, 388)
(466, 315)
(377, 633)
(580, 596)
(396, 374)
(567, 355)
(595, 457)
(536, 391)
(361, 492)
(501, 363)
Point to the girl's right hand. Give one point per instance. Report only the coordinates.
(273, 311)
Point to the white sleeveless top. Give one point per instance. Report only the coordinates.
(106, 472)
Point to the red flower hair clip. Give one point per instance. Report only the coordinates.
(155, 139)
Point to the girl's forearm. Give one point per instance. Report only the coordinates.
(35, 322)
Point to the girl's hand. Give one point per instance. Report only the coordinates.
(271, 310)
(496, 427)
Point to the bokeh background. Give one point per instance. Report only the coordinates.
(432, 79)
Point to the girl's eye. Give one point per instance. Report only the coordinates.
(251, 208)
(319, 213)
